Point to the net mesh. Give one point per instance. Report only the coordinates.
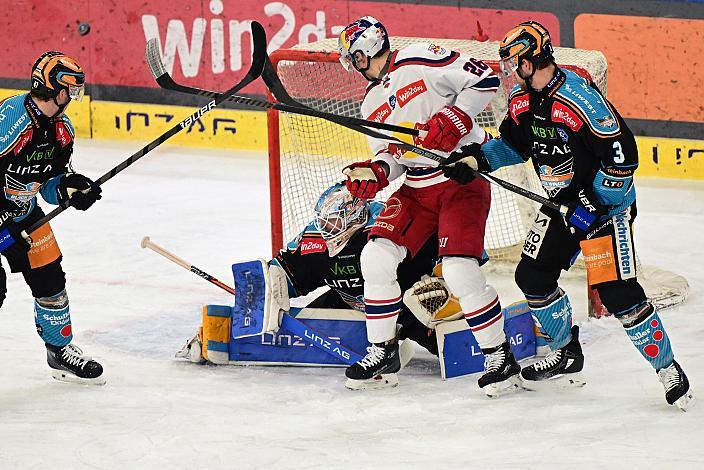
(313, 151)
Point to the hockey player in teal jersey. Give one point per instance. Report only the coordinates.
(36, 143)
(585, 156)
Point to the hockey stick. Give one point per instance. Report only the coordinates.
(166, 81)
(288, 322)
(154, 60)
(273, 82)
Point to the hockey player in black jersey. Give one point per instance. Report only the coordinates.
(585, 156)
(36, 143)
(327, 253)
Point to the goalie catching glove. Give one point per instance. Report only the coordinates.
(431, 302)
(365, 179)
(462, 164)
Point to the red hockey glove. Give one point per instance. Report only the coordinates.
(446, 128)
(365, 179)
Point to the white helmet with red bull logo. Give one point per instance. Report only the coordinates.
(365, 37)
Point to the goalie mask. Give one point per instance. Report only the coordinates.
(366, 37)
(338, 216)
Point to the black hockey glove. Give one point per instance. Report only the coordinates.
(462, 164)
(583, 212)
(12, 244)
(80, 191)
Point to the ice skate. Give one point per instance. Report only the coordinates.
(561, 368)
(677, 391)
(376, 370)
(501, 374)
(68, 364)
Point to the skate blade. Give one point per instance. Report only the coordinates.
(377, 383)
(561, 382)
(506, 387)
(406, 350)
(65, 376)
(686, 401)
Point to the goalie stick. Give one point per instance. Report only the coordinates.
(288, 322)
(153, 56)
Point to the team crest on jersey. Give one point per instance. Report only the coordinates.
(519, 104)
(606, 121)
(556, 178)
(437, 50)
(410, 91)
(20, 193)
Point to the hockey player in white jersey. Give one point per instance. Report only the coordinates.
(438, 91)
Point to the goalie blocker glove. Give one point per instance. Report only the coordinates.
(446, 128)
(462, 164)
(365, 179)
(582, 214)
(80, 191)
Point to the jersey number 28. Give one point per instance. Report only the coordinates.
(475, 67)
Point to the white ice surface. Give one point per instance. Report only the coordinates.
(132, 309)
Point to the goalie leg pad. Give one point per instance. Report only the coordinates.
(479, 300)
(216, 333)
(261, 295)
(382, 294)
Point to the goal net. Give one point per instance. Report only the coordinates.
(306, 154)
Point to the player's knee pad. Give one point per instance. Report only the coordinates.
(380, 259)
(534, 280)
(52, 319)
(479, 300)
(620, 297)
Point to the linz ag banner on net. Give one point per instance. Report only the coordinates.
(206, 43)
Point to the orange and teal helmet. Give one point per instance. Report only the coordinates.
(54, 71)
(530, 41)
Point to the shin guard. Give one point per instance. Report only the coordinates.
(647, 333)
(553, 316)
(53, 320)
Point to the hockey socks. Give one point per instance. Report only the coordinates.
(53, 320)
(553, 316)
(647, 333)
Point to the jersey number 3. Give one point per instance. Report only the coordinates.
(619, 157)
(475, 67)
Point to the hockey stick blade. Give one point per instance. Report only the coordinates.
(258, 59)
(273, 82)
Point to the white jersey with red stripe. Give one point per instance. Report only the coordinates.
(421, 79)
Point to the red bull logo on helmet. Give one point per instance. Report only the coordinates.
(353, 31)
